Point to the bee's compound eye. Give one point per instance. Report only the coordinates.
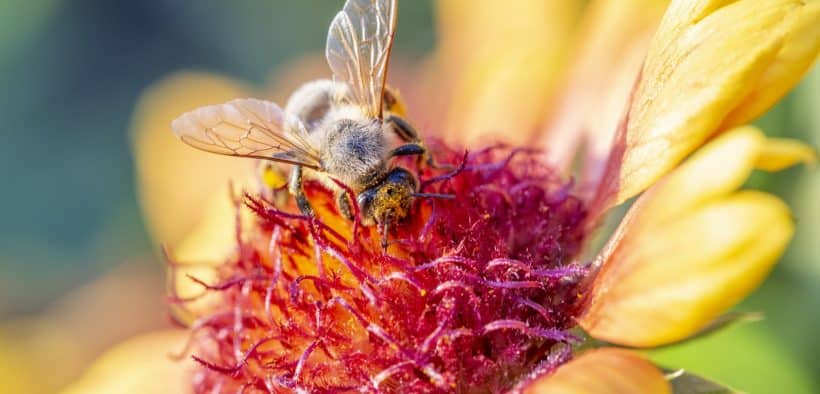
(402, 177)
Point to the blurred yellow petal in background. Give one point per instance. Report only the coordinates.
(59, 342)
(603, 371)
(176, 182)
(214, 236)
(498, 64)
(141, 365)
(702, 63)
(209, 244)
(612, 42)
(28, 347)
(690, 247)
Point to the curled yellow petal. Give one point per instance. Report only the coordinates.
(613, 39)
(174, 180)
(689, 248)
(694, 270)
(780, 153)
(141, 365)
(603, 371)
(793, 61)
(499, 64)
(702, 63)
(713, 172)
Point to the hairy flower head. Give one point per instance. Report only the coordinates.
(474, 293)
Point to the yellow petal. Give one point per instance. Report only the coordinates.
(184, 192)
(209, 244)
(213, 238)
(613, 39)
(141, 366)
(793, 61)
(702, 63)
(694, 270)
(780, 153)
(175, 180)
(713, 172)
(603, 371)
(499, 63)
(59, 342)
(29, 350)
(689, 248)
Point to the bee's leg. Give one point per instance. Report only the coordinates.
(344, 205)
(408, 149)
(407, 133)
(297, 189)
(403, 129)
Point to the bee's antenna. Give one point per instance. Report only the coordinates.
(434, 195)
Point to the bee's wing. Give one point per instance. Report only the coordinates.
(247, 128)
(358, 49)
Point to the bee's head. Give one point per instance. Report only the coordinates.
(390, 199)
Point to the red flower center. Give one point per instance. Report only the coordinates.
(474, 294)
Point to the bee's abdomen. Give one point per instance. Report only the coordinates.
(313, 100)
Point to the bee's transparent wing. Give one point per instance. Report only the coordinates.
(358, 49)
(247, 128)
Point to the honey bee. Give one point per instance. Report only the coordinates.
(331, 128)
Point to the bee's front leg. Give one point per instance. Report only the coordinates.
(408, 149)
(297, 189)
(414, 145)
(402, 128)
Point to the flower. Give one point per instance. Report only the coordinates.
(319, 305)
(482, 292)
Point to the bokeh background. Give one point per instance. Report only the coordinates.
(79, 271)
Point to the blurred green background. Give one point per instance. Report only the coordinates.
(70, 75)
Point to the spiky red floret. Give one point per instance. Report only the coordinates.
(475, 292)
